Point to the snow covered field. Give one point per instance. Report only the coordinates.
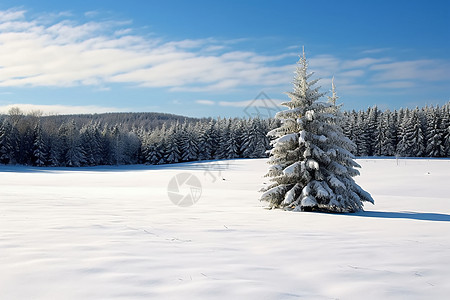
(113, 233)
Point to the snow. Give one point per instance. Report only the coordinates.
(289, 197)
(336, 182)
(113, 233)
(287, 138)
(292, 168)
(312, 164)
(309, 201)
(310, 115)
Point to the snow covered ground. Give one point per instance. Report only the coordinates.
(113, 233)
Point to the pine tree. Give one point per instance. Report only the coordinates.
(435, 145)
(71, 154)
(446, 128)
(172, 150)
(189, 143)
(222, 133)
(379, 138)
(130, 148)
(387, 135)
(404, 144)
(6, 146)
(40, 148)
(413, 140)
(88, 145)
(417, 135)
(249, 142)
(347, 125)
(124, 146)
(152, 148)
(260, 140)
(371, 130)
(232, 141)
(312, 166)
(204, 140)
(361, 136)
(25, 152)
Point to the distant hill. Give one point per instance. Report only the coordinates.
(147, 120)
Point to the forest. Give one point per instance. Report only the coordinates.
(154, 138)
(127, 138)
(420, 132)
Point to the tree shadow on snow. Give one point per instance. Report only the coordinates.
(404, 215)
(204, 165)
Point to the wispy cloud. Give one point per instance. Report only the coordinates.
(375, 50)
(368, 74)
(11, 14)
(205, 102)
(58, 51)
(426, 70)
(61, 109)
(362, 62)
(395, 84)
(245, 103)
(69, 53)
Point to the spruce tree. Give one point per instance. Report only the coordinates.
(435, 145)
(71, 154)
(189, 143)
(311, 165)
(253, 139)
(361, 136)
(222, 138)
(6, 147)
(446, 125)
(387, 135)
(40, 148)
(371, 129)
(88, 144)
(153, 148)
(416, 135)
(204, 145)
(404, 143)
(232, 142)
(172, 150)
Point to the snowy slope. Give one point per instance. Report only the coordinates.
(113, 233)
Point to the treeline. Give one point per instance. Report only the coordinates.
(128, 121)
(420, 132)
(152, 138)
(57, 141)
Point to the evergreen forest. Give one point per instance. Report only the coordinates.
(153, 138)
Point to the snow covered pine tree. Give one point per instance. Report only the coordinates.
(311, 161)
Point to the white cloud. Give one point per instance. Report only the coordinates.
(60, 52)
(362, 62)
(67, 53)
(274, 103)
(205, 102)
(214, 48)
(375, 50)
(11, 15)
(366, 75)
(352, 73)
(426, 70)
(123, 31)
(91, 13)
(324, 62)
(396, 84)
(236, 103)
(60, 109)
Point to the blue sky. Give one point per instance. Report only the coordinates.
(211, 58)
